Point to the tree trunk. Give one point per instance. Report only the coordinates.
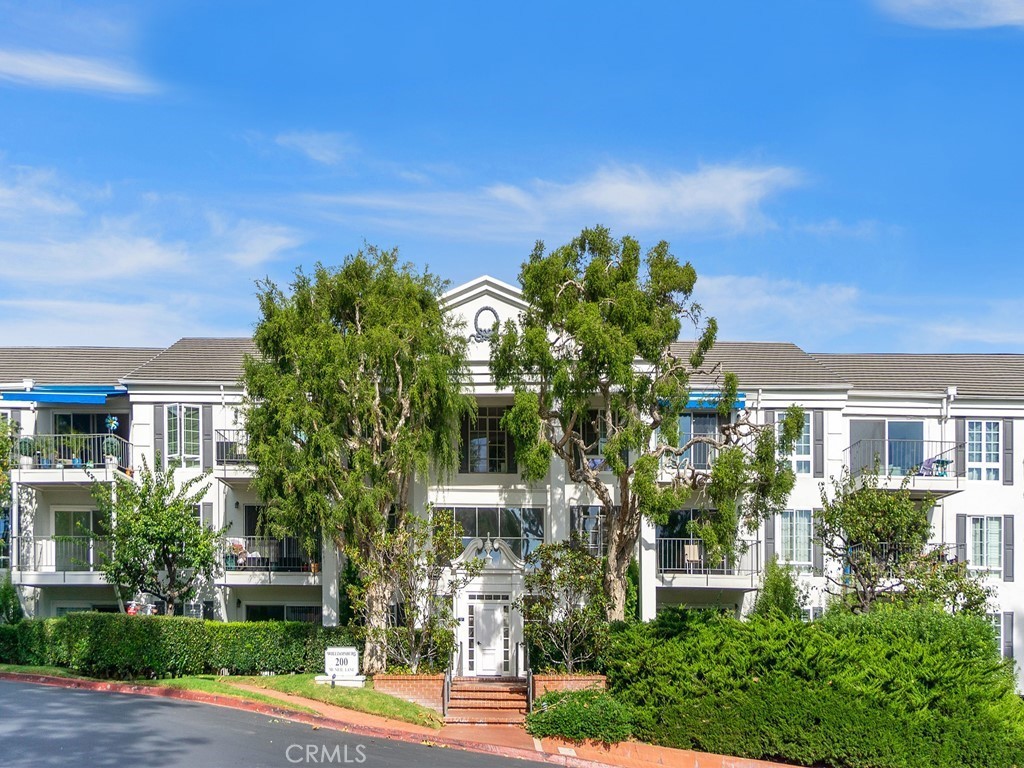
(375, 656)
(621, 543)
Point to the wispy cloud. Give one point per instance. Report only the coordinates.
(250, 243)
(956, 14)
(44, 69)
(321, 147)
(715, 199)
(30, 191)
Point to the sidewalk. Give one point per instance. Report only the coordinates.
(504, 740)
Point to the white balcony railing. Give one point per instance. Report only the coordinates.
(902, 458)
(232, 447)
(689, 557)
(56, 554)
(264, 553)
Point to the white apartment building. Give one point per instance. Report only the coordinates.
(947, 418)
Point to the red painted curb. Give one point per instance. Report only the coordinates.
(231, 702)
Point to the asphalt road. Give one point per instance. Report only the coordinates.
(46, 726)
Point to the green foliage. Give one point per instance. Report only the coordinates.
(563, 605)
(595, 307)
(580, 715)
(895, 687)
(357, 387)
(124, 647)
(8, 439)
(880, 536)
(11, 611)
(420, 576)
(159, 547)
(779, 594)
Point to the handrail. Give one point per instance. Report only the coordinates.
(529, 678)
(446, 691)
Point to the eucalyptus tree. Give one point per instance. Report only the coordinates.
(593, 370)
(358, 386)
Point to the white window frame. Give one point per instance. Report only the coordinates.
(996, 620)
(989, 561)
(791, 519)
(178, 456)
(984, 455)
(800, 458)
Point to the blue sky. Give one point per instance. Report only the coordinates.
(845, 175)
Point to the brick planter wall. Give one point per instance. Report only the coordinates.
(544, 683)
(425, 690)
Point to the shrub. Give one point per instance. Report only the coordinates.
(896, 687)
(579, 715)
(779, 593)
(10, 606)
(126, 647)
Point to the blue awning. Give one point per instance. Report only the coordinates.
(709, 400)
(75, 394)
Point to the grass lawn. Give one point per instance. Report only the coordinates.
(216, 685)
(49, 671)
(359, 699)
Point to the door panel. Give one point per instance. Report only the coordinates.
(489, 634)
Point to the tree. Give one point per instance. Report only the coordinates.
(11, 611)
(880, 537)
(8, 439)
(779, 595)
(424, 582)
(357, 387)
(592, 371)
(564, 604)
(159, 546)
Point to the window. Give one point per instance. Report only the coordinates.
(589, 523)
(182, 435)
(801, 456)
(693, 425)
(311, 613)
(796, 537)
(983, 450)
(996, 620)
(486, 446)
(522, 528)
(985, 545)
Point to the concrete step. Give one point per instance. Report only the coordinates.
(486, 704)
(493, 689)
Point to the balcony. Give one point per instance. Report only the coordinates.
(684, 563)
(231, 456)
(926, 466)
(267, 560)
(76, 459)
(60, 559)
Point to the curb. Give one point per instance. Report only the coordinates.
(231, 702)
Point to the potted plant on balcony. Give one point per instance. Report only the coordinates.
(26, 450)
(44, 451)
(111, 451)
(75, 445)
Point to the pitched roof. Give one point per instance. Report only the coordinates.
(197, 359)
(71, 365)
(767, 364)
(984, 375)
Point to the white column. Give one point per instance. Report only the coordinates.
(15, 555)
(648, 570)
(329, 573)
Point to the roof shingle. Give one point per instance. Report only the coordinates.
(982, 375)
(71, 365)
(197, 359)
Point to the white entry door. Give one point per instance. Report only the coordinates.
(490, 636)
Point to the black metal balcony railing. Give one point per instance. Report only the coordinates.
(61, 553)
(689, 556)
(264, 553)
(902, 458)
(232, 447)
(71, 451)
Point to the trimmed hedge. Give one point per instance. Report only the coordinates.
(892, 689)
(124, 647)
(579, 715)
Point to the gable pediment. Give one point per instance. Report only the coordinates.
(479, 304)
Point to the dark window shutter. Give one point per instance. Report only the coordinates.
(1007, 452)
(769, 416)
(960, 429)
(1007, 547)
(464, 447)
(769, 539)
(817, 556)
(207, 432)
(818, 443)
(961, 538)
(1008, 634)
(16, 418)
(510, 450)
(206, 513)
(158, 436)
(208, 610)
